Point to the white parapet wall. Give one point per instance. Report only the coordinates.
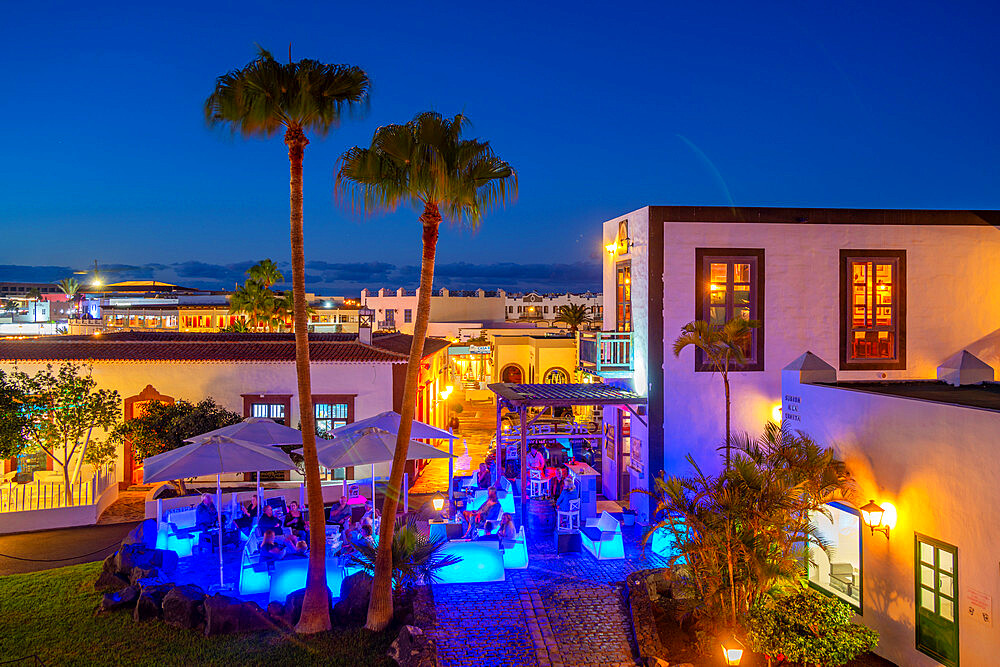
(58, 517)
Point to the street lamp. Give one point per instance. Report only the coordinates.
(438, 502)
(732, 651)
(874, 516)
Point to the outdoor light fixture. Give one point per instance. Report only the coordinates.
(732, 651)
(878, 518)
(438, 502)
(776, 413)
(446, 392)
(612, 247)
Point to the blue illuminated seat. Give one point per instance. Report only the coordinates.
(254, 577)
(602, 537)
(515, 552)
(481, 562)
(181, 534)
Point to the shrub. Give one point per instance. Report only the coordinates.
(808, 627)
(414, 556)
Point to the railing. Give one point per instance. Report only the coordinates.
(606, 351)
(43, 495)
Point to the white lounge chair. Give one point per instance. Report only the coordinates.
(602, 537)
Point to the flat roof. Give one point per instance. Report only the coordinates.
(564, 394)
(823, 216)
(984, 396)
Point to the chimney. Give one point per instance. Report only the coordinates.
(366, 317)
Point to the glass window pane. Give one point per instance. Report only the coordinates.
(718, 273)
(927, 576)
(946, 586)
(926, 553)
(927, 599)
(945, 561)
(717, 294)
(324, 410)
(947, 609)
(717, 315)
(741, 273)
(741, 296)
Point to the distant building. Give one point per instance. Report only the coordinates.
(14, 289)
(396, 310)
(537, 307)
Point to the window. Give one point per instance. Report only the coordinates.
(407, 315)
(729, 283)
(555, 376)
(623, 296)
(873, 309)
(936, 565)
(269, 406)
(838, 570)
(546, 309)
(273, 411)
(330, 416)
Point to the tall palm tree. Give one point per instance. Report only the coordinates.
(427, 164)
(575, 315)
(265, 272)
(257, 302)
(260, 99)
(71, 288)
(723, 348)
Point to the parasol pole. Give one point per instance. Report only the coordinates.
(218, 508)
(373, 485)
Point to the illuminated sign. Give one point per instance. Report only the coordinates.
(479, 349)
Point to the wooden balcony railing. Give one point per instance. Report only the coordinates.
(606, 351)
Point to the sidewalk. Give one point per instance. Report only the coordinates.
(477, 425)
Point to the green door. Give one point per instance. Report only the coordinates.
(937, 599)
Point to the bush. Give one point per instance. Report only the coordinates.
(808, 627)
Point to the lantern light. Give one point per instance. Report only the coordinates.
(612, 247)
(776, 413)
(438, 502)
(732, 651)
(874, 516)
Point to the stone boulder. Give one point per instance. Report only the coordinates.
(412, 648)
(222, 615)
(109, 581)
(293, 605)
(138, 573)
(134, 555)
(144, 533)
(355, 593)
(183, 606)
(120, 599)
(253, 618)
(150, 602)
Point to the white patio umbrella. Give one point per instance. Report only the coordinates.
(260, 431)
(217, 455)
(369, 447)
(389, 421)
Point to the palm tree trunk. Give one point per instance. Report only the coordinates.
(380, 607)
(315, 606)
(725, 382)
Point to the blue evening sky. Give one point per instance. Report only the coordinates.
(601, 108)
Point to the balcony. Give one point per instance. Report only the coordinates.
(606, 353)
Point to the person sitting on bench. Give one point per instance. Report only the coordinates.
(475, 518)
(506, 531)
(483, 477)
(270, 550)
(296, 524)
(205, 514)
(341, 512)
(269, 521)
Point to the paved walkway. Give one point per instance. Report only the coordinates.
(46, 549)
(129, 507)
(563, 610)
(477, 424)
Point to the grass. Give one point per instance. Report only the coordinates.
(53, 614)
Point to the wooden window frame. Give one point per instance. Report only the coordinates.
(270, 399)
(860, 605)
(899, 304)
(623, 306)
(757, 275)
(333, 399)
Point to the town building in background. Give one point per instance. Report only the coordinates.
(450, 309)
(536, 307)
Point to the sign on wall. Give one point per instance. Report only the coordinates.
(479, 349)
(635, 456)
(790, 408)
(609, 441)
(979, 607)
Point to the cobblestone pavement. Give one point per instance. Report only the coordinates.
(563, 610)
(130, 506)
(477, 424)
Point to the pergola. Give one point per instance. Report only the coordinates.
(519, 397)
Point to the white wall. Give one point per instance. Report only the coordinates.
(938, 465)
(462, 309)
(953, 302)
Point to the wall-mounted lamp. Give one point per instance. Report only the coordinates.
(732, 651)
(879, 518)
(612, 247)
(776, 413)
(446, 392)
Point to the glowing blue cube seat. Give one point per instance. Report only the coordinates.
(481, 562)
(287, 576)
(505, 494)
(602, 537)
(180, 535)
(515, 552)
(662, 542)
(254, 576)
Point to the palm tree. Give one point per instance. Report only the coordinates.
(258, 100)
(425, 163)
(575, 315)
(723, 347)
(71, 288)
(257, 302)
(266, 273)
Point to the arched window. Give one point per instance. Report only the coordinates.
(512, 373)
(556, 376)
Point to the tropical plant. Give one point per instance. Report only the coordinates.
(63, 408)
(741, 534)
(165, 426)
(256, 302)
(260, 99)
(427, 164)
(71, 288)
(266, 273)
(415, 558)
(575, 315)
(808, 628)
(13, 419)
(34, 294)
(723, 348)
(237, 326)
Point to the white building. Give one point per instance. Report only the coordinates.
(545, 307)
(450, 309)
(880, 292)
(925, 451)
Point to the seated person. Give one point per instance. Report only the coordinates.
(506, 531)
(341, 512)
(559, 482)
(269, 521)
(483, 477)
(352, 535)
(270, 549)
(371, 517)
(488, 534)
(296, 523)
(569, 492)
(205, 514)
(250, 511)
(366, 534)
(475, 518)
(536, 459)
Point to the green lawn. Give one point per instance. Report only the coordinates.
(53, 614)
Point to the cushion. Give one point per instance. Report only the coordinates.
(592, 533)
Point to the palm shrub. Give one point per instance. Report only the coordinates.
(574, 315)
(739, 536)
(415, 557)
(808, 628)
